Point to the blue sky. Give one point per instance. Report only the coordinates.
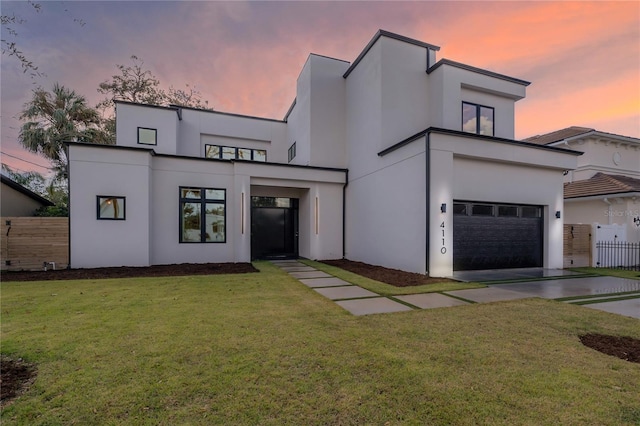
(583, 58)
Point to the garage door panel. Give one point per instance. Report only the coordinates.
(492, 242)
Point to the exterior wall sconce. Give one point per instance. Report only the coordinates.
(443, 208)
(558, 214)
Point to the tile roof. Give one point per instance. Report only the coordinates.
(558, 135)
(601, 184)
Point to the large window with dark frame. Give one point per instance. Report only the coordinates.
(233, 153)
(202, 215)
(477, 119)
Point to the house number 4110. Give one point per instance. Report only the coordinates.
(443, 249)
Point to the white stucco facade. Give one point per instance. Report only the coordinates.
(370, 152)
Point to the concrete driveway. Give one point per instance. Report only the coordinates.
(605, 289)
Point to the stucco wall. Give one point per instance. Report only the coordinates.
(599, 157)
(164, 120)
(109, 172)
(456, 85)
(151, 185)
(386, 212)
(464, 169)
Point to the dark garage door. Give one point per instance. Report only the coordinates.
(496, 236)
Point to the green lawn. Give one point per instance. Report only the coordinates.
(610, 272)
(263, 349)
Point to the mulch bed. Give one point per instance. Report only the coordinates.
(626, 348)
(131, 272)
(389, 276)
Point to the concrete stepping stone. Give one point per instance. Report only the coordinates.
(375, 305)
(301, 268)
(347, 292)
(324, 282)
(628, 308)
(311, 274)
(286, 262)
(430, 300)
(489, 294)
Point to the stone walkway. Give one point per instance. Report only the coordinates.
(360, 301)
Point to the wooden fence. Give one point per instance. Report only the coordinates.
(30, 242)
(577, 246)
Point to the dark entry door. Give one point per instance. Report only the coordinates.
(274, 228)
(495, 236)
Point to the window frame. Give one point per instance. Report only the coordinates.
(117, 197)
(291, 152)
(478, 108)
(222, 148)
(203, 201)
(155, 136)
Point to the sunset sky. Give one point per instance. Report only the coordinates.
(583, 58)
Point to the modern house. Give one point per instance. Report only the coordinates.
(604, 190)
(396, 159)
(18, 200)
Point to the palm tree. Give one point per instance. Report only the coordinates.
(58, 117)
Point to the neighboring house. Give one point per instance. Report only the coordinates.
(395, 159)
(605, 187)
(18, 200)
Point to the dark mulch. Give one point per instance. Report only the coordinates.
(389, 276)
(626, 348)
(130, 272)
(15, 377)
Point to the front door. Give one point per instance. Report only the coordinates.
(274, 228)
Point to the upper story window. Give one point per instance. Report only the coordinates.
(233, 153)
(147, 136)
(477, 119)
(291, 154)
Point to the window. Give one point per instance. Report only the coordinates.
(202, 215)
(291, 154)
(477, 119)
(147, 136)
(110, 208)
(233, 153)
(459, 208)
(531, 211)
(511, 211)
(481, 210)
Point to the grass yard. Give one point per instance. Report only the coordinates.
(263, 349)
(621, 273)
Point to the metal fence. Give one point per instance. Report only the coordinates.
(618, 255)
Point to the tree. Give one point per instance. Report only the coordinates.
(58, 117)
(10, 23)
(10, 46)
(133, 84)
(139, 85)
(136, 84)
(190, 97)
(31, 180)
